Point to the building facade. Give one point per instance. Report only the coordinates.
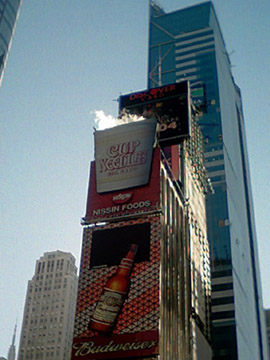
(12, 348)
(165, 313)
(49, 311)
(267, 318)
(9, 12)
(188, 45)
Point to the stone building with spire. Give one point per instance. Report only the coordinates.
(12, 348)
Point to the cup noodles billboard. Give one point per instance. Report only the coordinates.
(123, 155)
(169, 105)
(118, 307)
(139, 200)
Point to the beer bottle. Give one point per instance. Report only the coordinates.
(113, 296)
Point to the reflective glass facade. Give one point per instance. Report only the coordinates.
(9, 10)
(188, 45)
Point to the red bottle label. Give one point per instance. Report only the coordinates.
(108, 307)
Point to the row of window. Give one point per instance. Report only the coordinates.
(48, 288)
(49, 276)
(221, 273)
(223, 315)
(41, 355)
(194, 34)
(221, 287)
(50, 265)
(223, 301)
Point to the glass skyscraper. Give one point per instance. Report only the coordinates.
(9, 11)
(188, 45)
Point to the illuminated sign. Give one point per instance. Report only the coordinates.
(118, 307)
(198, 97)
(137, 200)
(169, 105)
(117, 241)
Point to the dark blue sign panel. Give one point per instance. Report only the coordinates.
(169, 105)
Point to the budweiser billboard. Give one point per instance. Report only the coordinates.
(137, 200)
(169, 105)
(123, 155)
(117, 312)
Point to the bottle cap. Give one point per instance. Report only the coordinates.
(134, 247)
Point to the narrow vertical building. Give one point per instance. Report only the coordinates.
(188, 45)
(9, 12)
(12, 348)
(146, 192)
(48, 319)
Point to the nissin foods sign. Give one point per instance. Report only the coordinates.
(141, 199)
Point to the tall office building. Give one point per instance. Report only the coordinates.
(48, 319)
(188, 45)
(9, 11)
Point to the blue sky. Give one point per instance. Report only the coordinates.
(69, 58)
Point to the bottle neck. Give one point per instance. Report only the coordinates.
(125, 267)
(126, 264)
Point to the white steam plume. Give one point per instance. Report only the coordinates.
(103, 121)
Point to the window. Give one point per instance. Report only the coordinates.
(222, 301)
(223, 315)
(217, 274)
(221, 287)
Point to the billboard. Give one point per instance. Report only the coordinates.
(117, 312)
(138, 200)
(123, 155)
(169, 105)
(198, 97)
